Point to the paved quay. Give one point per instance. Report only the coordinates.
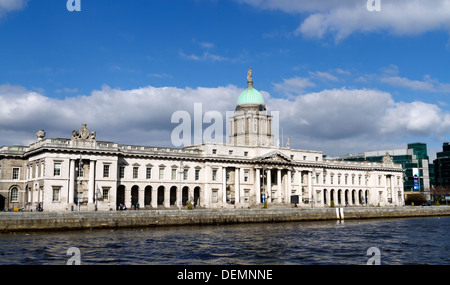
(36, 221)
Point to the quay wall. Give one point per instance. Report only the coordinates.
(36, 221)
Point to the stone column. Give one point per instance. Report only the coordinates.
(237, 191)
(257, 186)
(71, 180)
(91, 182)
(128, 198)
(224, 186)
(167, 197)
(154, 194)
(279, 189)
(141, 197)
(310, 190)
(269, 185)
(287, 197)
(300, 188)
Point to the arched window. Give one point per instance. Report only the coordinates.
(14, 194)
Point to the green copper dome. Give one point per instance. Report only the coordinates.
(250, 96)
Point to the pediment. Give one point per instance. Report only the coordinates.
(275, 156)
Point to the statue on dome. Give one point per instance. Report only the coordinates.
(249, 77)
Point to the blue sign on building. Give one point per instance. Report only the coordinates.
(416, 182)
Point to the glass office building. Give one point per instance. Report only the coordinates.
(442, 166)
(414, 160)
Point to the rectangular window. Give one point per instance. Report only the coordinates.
(148, 173)
(317, 178)
(245, 153)
(106, 170)
(135, 172)
(245, 175)
(214, 195)
(214, 174)
(246, 195)
(214, 151)
(353, 180)
(346, 180)
(57, 169)
(185, 174)
(122, 172)
(161, 173)
(174, 174)
(105, 194)
(197, 174)
(15, 173)
(228, 174)
(56, 194)
(331, 179)
(359, 180)
(230, 152)
(292, 177)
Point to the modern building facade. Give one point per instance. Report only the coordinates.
(414, 160)
(81, 173)
(442, 166)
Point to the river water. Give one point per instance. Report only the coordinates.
(398, 241)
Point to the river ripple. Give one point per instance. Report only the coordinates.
(400, 241)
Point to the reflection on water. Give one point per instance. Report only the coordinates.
(400, 241)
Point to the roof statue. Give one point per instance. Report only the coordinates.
(387, 158)
(83, 133)
(249, 77)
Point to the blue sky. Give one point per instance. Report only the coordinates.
(344, 79)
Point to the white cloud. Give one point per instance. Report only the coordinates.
(137, 116)
(7, 6)
(324, 75)
(206, 56)
(342, 18)
(428, 84)
(292, 86)
(415, 118)
(67, 90)
(343, 120)
(336, 121)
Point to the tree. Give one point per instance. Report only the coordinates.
(415, 199)
(439, 192)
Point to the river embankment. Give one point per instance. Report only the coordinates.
(51, 221)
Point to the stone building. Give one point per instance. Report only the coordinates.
(83, 174)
